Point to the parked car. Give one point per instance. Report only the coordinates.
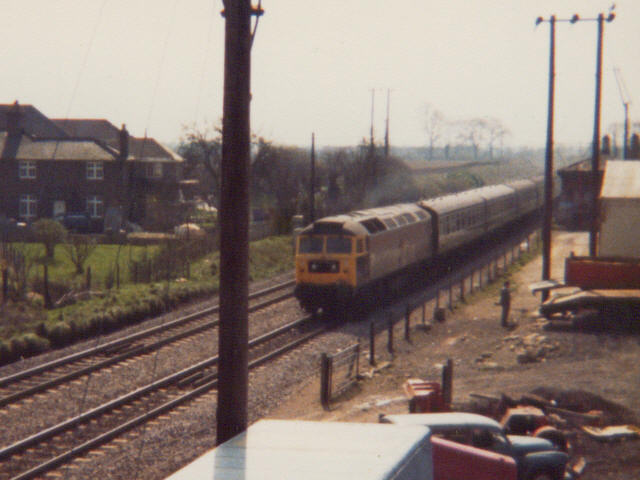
(536, 458)
(76, 222)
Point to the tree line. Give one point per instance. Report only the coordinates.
(346, 178)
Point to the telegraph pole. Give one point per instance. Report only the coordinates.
(233, 371)
(548, 170)
(372, 145)
(386, 131)
(595, 157)
(312, 190)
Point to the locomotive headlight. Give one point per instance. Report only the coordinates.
(335, 267)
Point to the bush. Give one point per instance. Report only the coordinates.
(34, 343)
(50, 233)
(59, 334)
(6, 354)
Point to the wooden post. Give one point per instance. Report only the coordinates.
(462, 289)
(48, 304)
(87, 282)
(372, 344)
(325, 381)
(5, 284)
(447, 383)
(390, 335)
(450, 295)
(407, 324)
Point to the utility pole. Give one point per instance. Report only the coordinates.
(371, 140)
(312, 189)
(386, 131)
(548, 169)
(372, 145)
(626, 101)
(595, 153)
(595, 159)
(233, 370)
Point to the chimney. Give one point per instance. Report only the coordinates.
(124, 143)
(13, 120)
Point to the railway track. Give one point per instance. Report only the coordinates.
(57, 445)
(43, 377)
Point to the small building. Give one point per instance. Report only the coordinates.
(575, 203)
(620, 210)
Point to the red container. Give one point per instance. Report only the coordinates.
(424, 397)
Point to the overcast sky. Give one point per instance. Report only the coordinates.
(156, 65)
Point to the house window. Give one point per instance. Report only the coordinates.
(95, 206)
(95, 171)
(154, 170)
(27, 170)
(28, 207)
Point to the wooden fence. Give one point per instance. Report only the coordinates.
(338, 372)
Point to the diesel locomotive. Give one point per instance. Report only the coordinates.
(355, 258)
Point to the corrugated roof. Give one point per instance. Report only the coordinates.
(25, 148)
(621, 179)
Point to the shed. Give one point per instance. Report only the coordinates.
(620, 210)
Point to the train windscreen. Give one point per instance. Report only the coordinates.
(310, 244)
(338, 245)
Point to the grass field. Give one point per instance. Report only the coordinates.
(26, 327)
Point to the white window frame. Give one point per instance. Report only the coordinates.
(28, 206)
(154, 170)
(95, 206)
(95, 170)
(27, 170)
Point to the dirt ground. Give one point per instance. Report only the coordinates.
(581, 369)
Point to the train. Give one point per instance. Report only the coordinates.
(353, 259)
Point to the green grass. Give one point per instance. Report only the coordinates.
(26, 328)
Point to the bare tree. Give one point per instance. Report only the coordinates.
(473, 133)
(496, 132)
(435, 122)
(79, 248)
(202, 149)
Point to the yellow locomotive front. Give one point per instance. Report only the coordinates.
(330, 263)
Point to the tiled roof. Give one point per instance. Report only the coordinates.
(25, 148)
(32, 121)
(90, 128)
(74, 137)
(149, 150)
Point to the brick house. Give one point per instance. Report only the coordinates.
(53, 167)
